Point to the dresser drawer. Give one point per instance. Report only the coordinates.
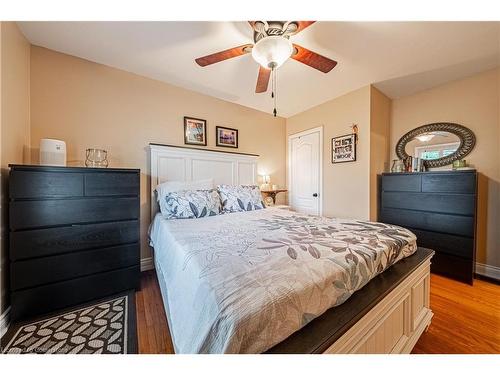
(460, 204)
(28, 184)
(45, 298)
(459, 246)
(51, 241)
(38, 271)
(452, 266)
(450, 224)
(403, 182)
(463, 183)
(111, 184)
(32, 214)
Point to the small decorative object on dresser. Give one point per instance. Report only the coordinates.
(52, 152)
(195, 131)
(458, 164)
(344, 148)
(74, 236)
(96, 158)
(398, 166)
(226, 137)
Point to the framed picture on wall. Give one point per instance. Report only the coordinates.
(226, 137)
(344, 148)
(195, 131)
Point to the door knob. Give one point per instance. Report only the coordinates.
(315, 194)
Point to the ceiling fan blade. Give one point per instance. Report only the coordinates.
(224, 55)
(262, 79)
(302, 25)
(314, 60)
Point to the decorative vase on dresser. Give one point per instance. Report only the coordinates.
(440, 208)
(74, 236)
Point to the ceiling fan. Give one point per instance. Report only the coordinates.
(271, 48)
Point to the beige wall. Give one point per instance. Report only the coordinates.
(346, 186)
(475, 103)
(380, 117)
(92, 105)
(15, 123)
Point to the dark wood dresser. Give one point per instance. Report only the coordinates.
(440, 208)
(74, 236)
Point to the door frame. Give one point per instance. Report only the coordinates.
(289, 164)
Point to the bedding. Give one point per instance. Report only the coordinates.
(189, 204)
(237, 198)
(242, 282)
(171, 186)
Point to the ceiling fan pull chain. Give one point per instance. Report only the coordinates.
(272, 82)
(275, 91)
(274, 73)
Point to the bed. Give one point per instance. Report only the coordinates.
(250, 282)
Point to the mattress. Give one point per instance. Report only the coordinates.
(243, 282)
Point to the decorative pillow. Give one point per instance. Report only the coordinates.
(169, 186)
(189, 204)
(240, 198)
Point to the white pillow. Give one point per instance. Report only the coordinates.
(164, 188)
(189, 204)
(236, 198)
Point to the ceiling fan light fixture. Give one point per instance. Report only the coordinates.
(425, 137)
(272, 51)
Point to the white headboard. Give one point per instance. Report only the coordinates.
(174, 163)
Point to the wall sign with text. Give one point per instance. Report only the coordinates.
(344, 148)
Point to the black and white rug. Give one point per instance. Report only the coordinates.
(107, 326)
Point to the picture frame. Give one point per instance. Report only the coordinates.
(226, 137)
(195, 131)
(344, 148)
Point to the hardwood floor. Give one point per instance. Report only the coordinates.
(466, 318)
(153, 335)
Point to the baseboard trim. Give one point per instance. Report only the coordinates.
(488, 271)
(4, 321)
(147, 264)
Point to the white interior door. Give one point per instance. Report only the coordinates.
(305, 165)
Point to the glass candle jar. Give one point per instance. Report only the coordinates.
(96, 158)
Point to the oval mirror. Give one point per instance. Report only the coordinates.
(438, 144)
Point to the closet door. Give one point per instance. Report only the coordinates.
(305, 171)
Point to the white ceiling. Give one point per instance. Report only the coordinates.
(400, 58)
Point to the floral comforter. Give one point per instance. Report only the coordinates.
(242, 282)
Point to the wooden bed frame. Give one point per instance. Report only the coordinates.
(387, 315)
(394, 324)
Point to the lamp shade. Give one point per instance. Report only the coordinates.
(272, 51)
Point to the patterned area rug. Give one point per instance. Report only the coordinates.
(108, 326)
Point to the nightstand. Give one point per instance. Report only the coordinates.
(273, 193)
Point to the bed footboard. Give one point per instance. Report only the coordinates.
(395, 324)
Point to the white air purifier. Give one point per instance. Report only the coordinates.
(52, 152)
